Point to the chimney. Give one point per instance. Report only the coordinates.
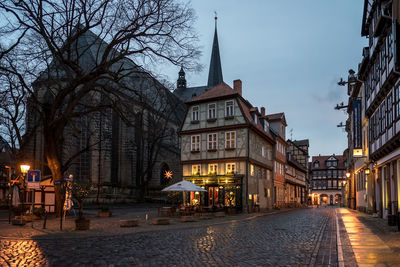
(263, 111)
(237, 86)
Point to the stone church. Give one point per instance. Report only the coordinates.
(123, 155)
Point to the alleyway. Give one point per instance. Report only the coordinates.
(304, 237)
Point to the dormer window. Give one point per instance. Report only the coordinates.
(255, 118)
(316, 164)
(266, 125)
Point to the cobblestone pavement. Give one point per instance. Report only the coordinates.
(286, 239)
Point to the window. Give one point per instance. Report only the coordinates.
(334, 163)
(230, 139)
(383, 116)
(212, 111)
(195, 142)
(196, 169)
(255, 118)
(195, 113)
(229, 108)
(212, 141)
(390, 109)
(212, 168)
(390, 46)
(251, 169)
(396, 102)
(230, 168)
(316, 164)
(263, 151)
(266, 125)
(328, 163)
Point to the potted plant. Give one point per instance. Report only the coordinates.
(80, 190)
(104, 211)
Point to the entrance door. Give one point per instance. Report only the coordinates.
(213, 196)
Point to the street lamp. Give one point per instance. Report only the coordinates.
(367, 171)
(348, 174)
(25, 168)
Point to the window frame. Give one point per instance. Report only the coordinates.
(195, 114)
(212, 141)
(193, 143)
(229, 169)
(231, 110)
(215, 165)
(230, 140)
(209, 111)
(194, 166)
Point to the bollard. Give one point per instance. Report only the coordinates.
(45, 219)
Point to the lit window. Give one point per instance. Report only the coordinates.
(195, 113)
(212, 168)
(212, 141)
(196, 169)
(195, 142)
(230, 139)
(229, 108)
(212, 111)
(251, 169)
(230, 168)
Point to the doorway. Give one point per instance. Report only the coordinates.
(213, 193)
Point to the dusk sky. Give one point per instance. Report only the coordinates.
(289, 55)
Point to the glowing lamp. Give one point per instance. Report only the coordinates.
(348, 174)
(168, 174)
(25, 168)
(367, 171)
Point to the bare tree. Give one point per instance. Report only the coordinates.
(75, 57)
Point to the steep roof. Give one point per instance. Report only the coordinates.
(322, 162)
(185, 94)
(215, 72)
(221, 90)
(138, 83)
(277, 116)
(304, 142)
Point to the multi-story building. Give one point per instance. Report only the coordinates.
(297, 170)
(226, 145)
(227, 149)
(328, 174)
(375, 183)
(278, 130)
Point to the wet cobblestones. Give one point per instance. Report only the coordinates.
(287, 239)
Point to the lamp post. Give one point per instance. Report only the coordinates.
(9, 193)
(24, 170)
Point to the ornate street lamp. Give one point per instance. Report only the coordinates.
(348, 174)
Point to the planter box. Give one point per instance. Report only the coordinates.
(160, 221)
(18, 222)
(82, 224)
(187, 219)
(128, 223)
(104, 214)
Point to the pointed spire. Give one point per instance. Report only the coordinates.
(215, 72)
(181, 82)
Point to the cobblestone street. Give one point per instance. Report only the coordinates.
(283, 239)
(303, 237)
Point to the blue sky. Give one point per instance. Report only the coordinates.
(289, 55)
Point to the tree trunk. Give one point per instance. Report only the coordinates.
(54, 165)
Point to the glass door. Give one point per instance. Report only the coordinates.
(213, 196)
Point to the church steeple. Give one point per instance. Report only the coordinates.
(181, 82)
(215, 72)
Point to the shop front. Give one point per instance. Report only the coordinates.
(221, 191)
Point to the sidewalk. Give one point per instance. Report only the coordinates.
(110, 226)
(373, 242)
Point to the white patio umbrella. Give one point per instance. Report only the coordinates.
(184, 186)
